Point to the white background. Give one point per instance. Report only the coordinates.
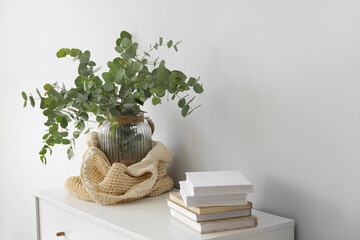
(281, 101)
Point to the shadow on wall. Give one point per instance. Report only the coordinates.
(298, 204)
(188, 150)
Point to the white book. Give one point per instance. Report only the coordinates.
(225, 199)
(215, 182)
(216, 225)
(207, 217)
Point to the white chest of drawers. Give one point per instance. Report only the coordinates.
(148, 218)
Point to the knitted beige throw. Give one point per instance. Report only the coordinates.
(105, 184)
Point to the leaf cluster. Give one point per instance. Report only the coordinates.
(131, 80)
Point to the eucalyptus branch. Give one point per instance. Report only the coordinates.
(140, 80)
(188, 103)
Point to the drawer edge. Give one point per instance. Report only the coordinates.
(39, 196)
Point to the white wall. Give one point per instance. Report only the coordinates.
(281, 101)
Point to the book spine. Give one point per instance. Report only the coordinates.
(222, 190)
(190, 187)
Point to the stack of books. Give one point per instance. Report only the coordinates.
(213, 201)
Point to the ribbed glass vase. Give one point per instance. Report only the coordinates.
(130, 143)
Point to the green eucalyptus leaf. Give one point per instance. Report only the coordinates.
(125, 34)
(100, 119)
(160, 93)
(78, 82)
(119, 76)
(135, 45)
(118, 41)
(198, 88)
(94, 109)
(47, 101)
(84, 116)
(162, 74)
(64, 123)
(43, 150)
(106, 77)
(54, 95)
(32, 101)
(90, 84)
(38, 92)
(114, 112)
(92, 63)
(169, 43)
(153, 90)
(181, 103)
(108, 87)
(125, 43)
(97, 69)
(43, 159)
(54, 128)
(185, 110)
(64, 134)
(85, 57)
(65, 141)
(24, 96)
(114, 125)
(180, 75)
(74, 52)
(48, 86)
(128, 106)
(98, 91)
(137, 94)
(76, 134)
(130, 52)
(192, 81)
(119, 49)
(97, 80)
(155, 101)
(81, 125)
(48, 112)
(142, 99)
(70, 153)
(61, 53)
(58, 119)
(84, 70)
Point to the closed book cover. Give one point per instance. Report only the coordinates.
(216, 182)
(216, 225)
(225, 199)
(207, 217)
(176, 198)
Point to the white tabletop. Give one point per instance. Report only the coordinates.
(149, 218)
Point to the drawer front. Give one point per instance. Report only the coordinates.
(53, 220)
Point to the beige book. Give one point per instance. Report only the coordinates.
(208, 217)
(176, 197)
(216, 225)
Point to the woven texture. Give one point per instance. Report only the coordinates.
(108, 184)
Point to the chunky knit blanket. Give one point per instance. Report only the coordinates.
(108, 184)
